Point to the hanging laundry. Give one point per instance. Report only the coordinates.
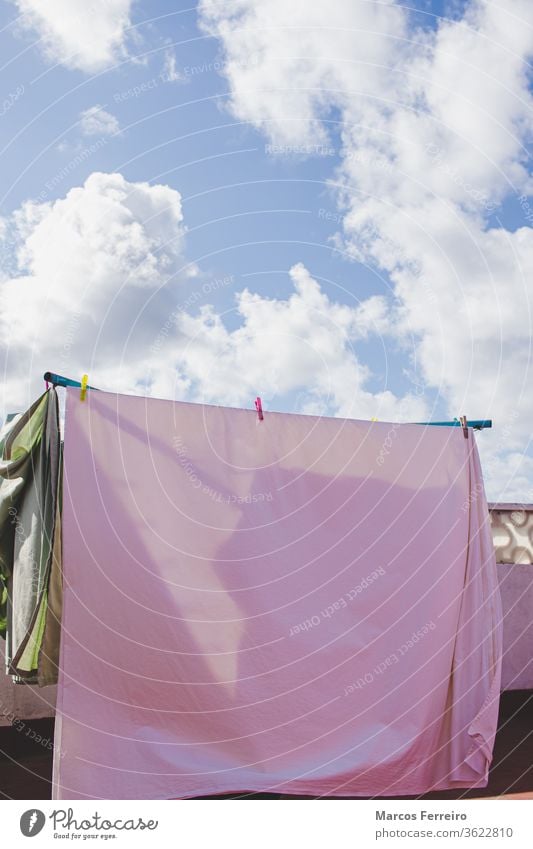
(30, 457)
(295, 604)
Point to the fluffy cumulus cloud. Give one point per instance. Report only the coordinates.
(100, 284)
(95, 275)
(96, 121)
(88, 35)
(303, 348)
(291, 65)
(432, 127)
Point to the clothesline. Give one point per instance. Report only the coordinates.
(476, 424)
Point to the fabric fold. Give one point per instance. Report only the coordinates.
(476, 668)
(30, 457)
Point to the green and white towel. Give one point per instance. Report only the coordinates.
(30, 459)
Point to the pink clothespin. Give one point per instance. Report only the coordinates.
(259, 408)
(464, 425)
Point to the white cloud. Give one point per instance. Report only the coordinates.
(97, 276)
(304, 347)
(99, 288)
(89, 35)
(96, 121)
(170, 72)
(433, 128)
(289, 64)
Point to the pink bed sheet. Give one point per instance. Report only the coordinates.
(300, 605)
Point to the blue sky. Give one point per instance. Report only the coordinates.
(164, 101)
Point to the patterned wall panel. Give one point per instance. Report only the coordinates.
(512, 532)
